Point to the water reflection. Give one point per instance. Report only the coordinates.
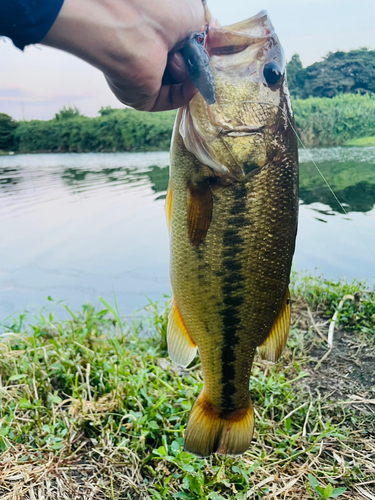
(9, 179)
(349, 172)
(352, 181)
(78, 226)
(157, 177)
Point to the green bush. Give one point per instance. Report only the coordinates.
(113, 130)
(7, 130)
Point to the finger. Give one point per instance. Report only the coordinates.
(176, 66)
(173, 96)
(126, 95)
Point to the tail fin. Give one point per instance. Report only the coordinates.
(209, 432)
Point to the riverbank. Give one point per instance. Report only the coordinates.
(92, 407)
(363, 142)
(320, 122)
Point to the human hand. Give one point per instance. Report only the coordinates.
(132, 42)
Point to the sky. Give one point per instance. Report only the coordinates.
(36, 83)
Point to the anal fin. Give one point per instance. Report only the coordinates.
(274, 344)
(181, 348)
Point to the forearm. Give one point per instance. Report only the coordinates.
(104, 33)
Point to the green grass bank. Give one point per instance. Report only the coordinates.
(91, 407)
(364, 142)
(321, 122)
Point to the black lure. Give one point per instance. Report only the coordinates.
(197, 63)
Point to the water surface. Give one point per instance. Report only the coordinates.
(76, 226)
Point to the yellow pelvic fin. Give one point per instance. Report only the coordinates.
(168, 206)
(274, 344)
(209, 432)
(199, 211)
(181, 348)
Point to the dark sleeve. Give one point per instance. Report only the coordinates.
(27, 21)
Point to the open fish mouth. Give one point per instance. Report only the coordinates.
(248, 67)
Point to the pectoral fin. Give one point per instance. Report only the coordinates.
(168, 206)
(199, 211)
(181, 348)
(274, 344)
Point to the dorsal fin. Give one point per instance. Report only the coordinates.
(200, 204)
(274, 344)
(181, 347)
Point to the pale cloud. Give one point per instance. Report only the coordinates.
(36, 83)
(40, 80)
(28, 105)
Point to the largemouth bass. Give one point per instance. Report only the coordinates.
(232, 208)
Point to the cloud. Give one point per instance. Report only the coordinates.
(12, 93)
(19, 95)
(24, 105)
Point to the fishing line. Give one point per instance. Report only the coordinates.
(318, 169)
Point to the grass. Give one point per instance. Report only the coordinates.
(363, 142)
(323, 122)
(92, 408)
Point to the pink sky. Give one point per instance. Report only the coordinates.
(36, 83)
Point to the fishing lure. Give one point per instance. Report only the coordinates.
(197, 62)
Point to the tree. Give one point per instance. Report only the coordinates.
(67, 112)
(293, 67)
(7, 129)
(107, 110)
(339, 72)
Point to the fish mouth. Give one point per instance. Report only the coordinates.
(239, 53)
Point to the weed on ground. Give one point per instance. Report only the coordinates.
(91, 408)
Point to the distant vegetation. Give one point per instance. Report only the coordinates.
(7, 132)
(334, 102)
(320, 122)
(331, 122)
(113, 130)
(338, 73)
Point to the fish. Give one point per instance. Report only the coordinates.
(232, 210)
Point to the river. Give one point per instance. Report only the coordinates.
(77, 226)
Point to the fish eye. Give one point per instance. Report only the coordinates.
(272, 73)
